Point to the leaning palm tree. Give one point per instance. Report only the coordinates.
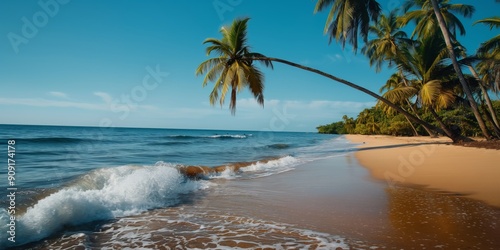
(449, 44)
(430, 84)
(395, 81)
(232, 68)
(216, 70)
(348, 18)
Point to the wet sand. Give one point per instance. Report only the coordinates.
(432, 164)
(337, 196)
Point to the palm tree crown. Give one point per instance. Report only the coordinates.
(233, 67)
(387, 42)
(491, 46)
(429, 81)
(425, 18)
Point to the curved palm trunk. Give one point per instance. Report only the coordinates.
(461, 77)
(429, 131)
(490, 120)
(415, 132)
(488, 100)
(497, 80)
(445, 128)
(455, 138)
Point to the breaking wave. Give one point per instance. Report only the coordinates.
(114, 192)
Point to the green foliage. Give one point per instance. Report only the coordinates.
(333, 128)
(374, 121)
(232, 69)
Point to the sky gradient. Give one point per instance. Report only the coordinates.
(132, 63)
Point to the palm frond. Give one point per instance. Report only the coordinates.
(493, 22)
(464, 10)
(238, 34)
(445, 99)
(218, 46)
(400, 94)
(490, 46)
(429, 92)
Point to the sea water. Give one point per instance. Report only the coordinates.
(71, 181)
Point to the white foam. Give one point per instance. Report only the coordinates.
(217, 229)
(103, 194)
(280, 165)
(228, 173)
(229, 136)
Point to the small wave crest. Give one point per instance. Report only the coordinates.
(229, 136)
(216, 136)
(100, 195)
(266, 168)
(52, 140)
(234, 170)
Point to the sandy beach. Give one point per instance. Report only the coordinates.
(432, 163)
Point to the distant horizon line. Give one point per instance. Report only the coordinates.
(112, 127)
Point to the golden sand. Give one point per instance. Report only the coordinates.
(432, 163)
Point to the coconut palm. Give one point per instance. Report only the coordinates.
(449, 44)
(430, 84)
(348, 18)
(232, 68)
(396, 81)
(387, 42)
(484, 91)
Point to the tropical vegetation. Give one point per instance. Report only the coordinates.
(429, 92)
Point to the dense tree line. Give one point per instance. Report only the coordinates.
(374, 121)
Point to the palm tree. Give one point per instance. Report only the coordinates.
(389, 39)
(430, 82)
(492, 114)
(387, 46)
(223, 64)
(456, 66)
(348, 18)
(398, 80)
(232, 68)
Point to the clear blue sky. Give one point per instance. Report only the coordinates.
(84, 63)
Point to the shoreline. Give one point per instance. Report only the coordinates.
(432, 164)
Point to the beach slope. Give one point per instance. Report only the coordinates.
(432, 163)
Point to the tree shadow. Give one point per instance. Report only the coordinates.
(402, 145)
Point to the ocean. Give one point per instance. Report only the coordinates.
(90, 187)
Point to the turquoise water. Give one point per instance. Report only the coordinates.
(72, 176)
